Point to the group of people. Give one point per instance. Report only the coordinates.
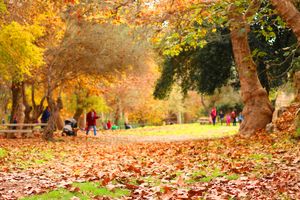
(229, 117)
(91, 118)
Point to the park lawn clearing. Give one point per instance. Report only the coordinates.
(258, 167)
(196, 131)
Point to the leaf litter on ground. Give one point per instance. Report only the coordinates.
(263, 166)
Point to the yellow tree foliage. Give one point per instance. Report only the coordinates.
(18, 53)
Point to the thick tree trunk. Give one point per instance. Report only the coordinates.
(257, 107)
(16, 89)
(37, 109)
(179, 117)
(204, 104)
(51, 127)
(59, 120)
(78, 113)
(289, 14)
(37, 112)
(28, 108)
(79, 109)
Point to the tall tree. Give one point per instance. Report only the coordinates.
(239, 18)
(90, 48)
(289, 13)
(257, 107)
(19, 56)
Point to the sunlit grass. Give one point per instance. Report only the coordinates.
(193, 130)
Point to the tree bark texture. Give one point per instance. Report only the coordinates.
(28, 108)
(59, 120)
(79, 109)
(16, 90)
(51, 127)
(37, 110)
(257, 107)
(289, 14)
(78, 113)
(297, 85)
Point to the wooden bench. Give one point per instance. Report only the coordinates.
(19, 128)
(204, 120)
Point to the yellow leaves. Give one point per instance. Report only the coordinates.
(2, 7)
(18, 54)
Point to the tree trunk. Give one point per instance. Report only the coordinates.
(78, 113)
(37, 109)
(28, 108)
(257, 107)
(51, 127)
(289, 14)
(79, 109)
(16, 89)
(55, 121)
(179, 117)
(297, 85)
(204, 104)
(59, 121)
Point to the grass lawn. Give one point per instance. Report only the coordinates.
(193, 130)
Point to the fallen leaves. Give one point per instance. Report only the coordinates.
(260, 167)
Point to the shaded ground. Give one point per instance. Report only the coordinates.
(260, 167)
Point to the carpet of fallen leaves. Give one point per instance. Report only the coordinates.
(286, 121)
(263, 166)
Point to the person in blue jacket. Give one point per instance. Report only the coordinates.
(46, 115)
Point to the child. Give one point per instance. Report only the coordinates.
(228, 120)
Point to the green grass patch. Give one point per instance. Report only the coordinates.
(87, 191)
(60, 194)
(94, 189)
(232, 177)
(151, 180)
(3, 153)
(259, 157)
(207, 176)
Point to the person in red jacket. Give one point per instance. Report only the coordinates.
(91, 118)
(109, 125)
(213, 115)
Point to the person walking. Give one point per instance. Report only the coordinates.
(213, 115)
(221, 115)
(240, 117)
(228, 120)
(91, 118)
(46, 115)
(233, 117)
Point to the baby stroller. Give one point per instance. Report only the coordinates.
(70, 128)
